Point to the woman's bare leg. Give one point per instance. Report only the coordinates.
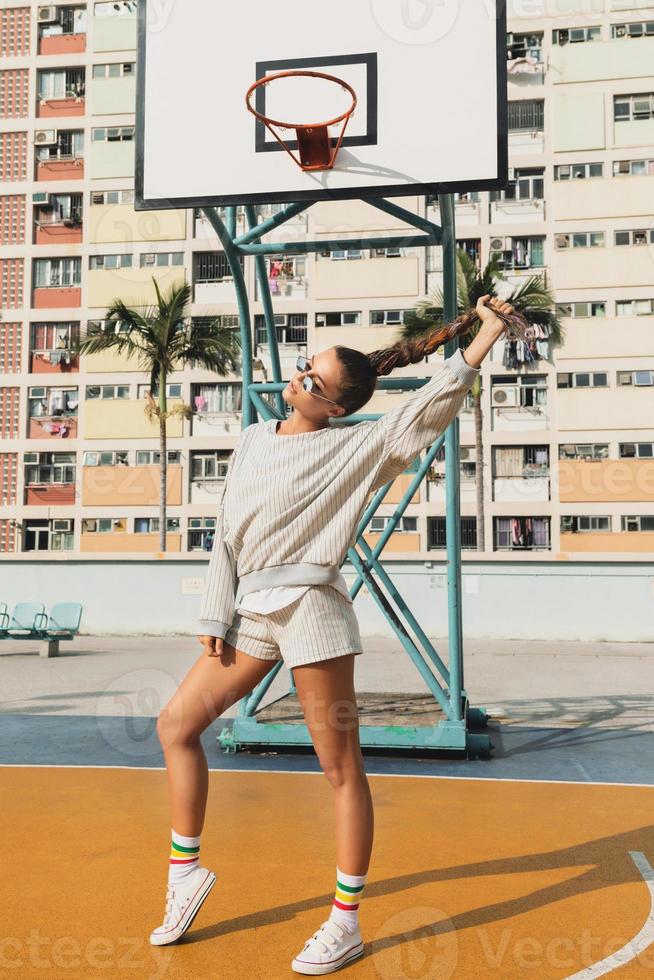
(212, 685)
(326, 693)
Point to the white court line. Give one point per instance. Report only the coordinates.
(313, 772)
(640, 941)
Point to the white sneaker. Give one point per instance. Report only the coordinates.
(183, 902)
(330, 948)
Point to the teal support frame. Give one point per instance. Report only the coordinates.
(461, 727)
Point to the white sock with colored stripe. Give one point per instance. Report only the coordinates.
(184, 857)
(349, 889)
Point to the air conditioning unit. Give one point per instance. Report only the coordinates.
(505, 397)
(465, 453)
(562, 241)
(63, 524)
(500, 244)
(47, 15)
(90, 524)
(45, 137)
(41, 198)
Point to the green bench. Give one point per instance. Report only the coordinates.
(30, 621)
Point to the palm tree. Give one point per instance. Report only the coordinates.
(164, 339)
(532, 299)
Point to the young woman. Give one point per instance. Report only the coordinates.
(293, 496)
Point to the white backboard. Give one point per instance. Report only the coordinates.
(430, 78)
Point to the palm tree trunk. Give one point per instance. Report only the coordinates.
(479, 468)
(163, 463)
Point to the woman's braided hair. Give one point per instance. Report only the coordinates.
(362, 370)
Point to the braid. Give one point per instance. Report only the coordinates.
(404, 352)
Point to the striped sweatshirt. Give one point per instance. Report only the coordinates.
(291, 505)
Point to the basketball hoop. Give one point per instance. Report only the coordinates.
(316, 147)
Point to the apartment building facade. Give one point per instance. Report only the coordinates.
(568, 433)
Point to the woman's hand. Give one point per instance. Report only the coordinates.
(486, 311)
(213, 645)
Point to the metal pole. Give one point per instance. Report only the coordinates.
(452, 472)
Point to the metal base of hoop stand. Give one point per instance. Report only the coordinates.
(452, 724)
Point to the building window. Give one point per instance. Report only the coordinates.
(151, 457)
(173, 390)
(582, 379)
(338, 319)
(578, 171)
(633, 107)
(210, 465)
(636, 378)
(584, 524)
(405, 524)
(637, 523)
(52, 402)
(108, 457)
(525, 462)
(113, 197)
(387, 318)
(633, 168)
(42, 468)
(68, 144)
(61, 83)
(636, 450)
(527, 185)
(580, 239)
(70, 20)
(581, 310)
(217, 399)
(107, 391)
(118, 69)
(521, 533)
(201, 531)
(436, 532)
(341, 254)
(584, 450)
(518, 253)
(161, 259)
(524, 46)
(110, 261)
(212, 266)
(148, 525)
(290, 328)
(634, 307)
(644, 236)
(638, 28)
(576, 35)
(112, 134)
(527, 114)
(57, 272)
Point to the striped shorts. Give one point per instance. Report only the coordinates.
(318, 625)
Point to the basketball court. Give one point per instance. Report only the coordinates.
(536, 862)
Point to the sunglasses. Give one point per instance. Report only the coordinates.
(304, 364)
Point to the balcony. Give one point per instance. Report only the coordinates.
(63, 31)
(521, 533)
(129, 486)
(58, 221)
(507, 211)
(56, 297)
(52, 413)
(526, 142)
(53, 361)
(61, 93)
(519, 404)
(49, 478)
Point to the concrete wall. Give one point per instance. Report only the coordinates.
(504, 600)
